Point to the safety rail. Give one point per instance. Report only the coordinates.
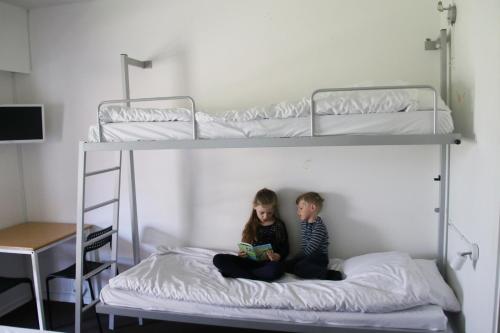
(148, 99)
(376, 88)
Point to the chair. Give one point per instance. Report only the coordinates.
(7, 283)
(88, 266)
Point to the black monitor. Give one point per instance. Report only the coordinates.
(21, 123)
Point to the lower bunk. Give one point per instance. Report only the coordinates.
(418, 320)
(389, 292)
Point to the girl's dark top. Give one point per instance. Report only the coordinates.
(276, 235)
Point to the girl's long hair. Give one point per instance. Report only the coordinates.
(264, 197)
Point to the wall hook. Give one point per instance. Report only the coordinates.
(452, 11)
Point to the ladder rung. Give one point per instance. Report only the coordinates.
(91, 304)
(102, 204)
(97, 172)
(98, 270)
(95, 240)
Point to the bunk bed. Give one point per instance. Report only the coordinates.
(191, 134)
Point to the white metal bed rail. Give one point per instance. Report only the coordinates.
(376, 88)
(127, 101)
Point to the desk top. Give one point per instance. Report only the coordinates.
(31, 236)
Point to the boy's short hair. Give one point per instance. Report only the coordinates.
(311, 198)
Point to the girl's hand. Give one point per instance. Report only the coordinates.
(272, 256)
(242, 254)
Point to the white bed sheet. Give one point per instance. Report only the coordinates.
(417, 122)
(428, 317)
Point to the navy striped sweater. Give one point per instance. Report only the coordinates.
(314, 237)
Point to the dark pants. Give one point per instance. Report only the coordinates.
(238, 267)
(314, 266)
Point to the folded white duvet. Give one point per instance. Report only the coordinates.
(332, 103)
(340, 103)
(187, 274)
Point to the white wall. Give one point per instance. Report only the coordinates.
(11, 205)
(230, 54)
(475, 173)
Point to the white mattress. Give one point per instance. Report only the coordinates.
(416, 122)
(428, 317)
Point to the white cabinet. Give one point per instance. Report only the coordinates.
(14, 40)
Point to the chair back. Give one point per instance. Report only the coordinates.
(97, 245)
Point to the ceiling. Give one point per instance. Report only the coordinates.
(29, 4)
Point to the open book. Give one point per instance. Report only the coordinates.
(258, 252)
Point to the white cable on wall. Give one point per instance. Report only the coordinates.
(459, 233)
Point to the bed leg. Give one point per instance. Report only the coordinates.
(140, 321)
(111, 324)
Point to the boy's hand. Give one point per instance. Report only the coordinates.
(273, 256)
(242, 254)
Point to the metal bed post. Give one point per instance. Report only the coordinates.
(443, 42)
(444, 199)
(116, 222)
(125, 62)
(82, 156)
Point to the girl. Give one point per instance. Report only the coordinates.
(263, 227)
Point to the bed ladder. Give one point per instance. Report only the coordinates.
(82, 209)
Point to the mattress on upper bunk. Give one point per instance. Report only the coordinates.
(398, 111)
(381, 284)
(415, 122)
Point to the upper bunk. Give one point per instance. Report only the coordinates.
(382, 115)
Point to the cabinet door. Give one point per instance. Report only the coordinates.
(14, 41)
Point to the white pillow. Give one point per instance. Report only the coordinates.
(365, 262)
(440, 291)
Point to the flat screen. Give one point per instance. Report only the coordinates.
(21, 123)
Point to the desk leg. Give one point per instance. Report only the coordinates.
(38, 290)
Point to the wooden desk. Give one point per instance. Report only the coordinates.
(32, 238)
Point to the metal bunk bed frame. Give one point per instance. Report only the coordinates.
(442, 140)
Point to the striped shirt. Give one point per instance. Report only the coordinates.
(314, 237)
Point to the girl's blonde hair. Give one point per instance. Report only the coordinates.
(264, 197)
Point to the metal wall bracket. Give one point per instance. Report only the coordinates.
(452, 12)
(441, 44)
(432, 45)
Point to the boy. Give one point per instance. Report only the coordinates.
(312, 261)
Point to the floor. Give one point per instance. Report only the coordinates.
(63, 314)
